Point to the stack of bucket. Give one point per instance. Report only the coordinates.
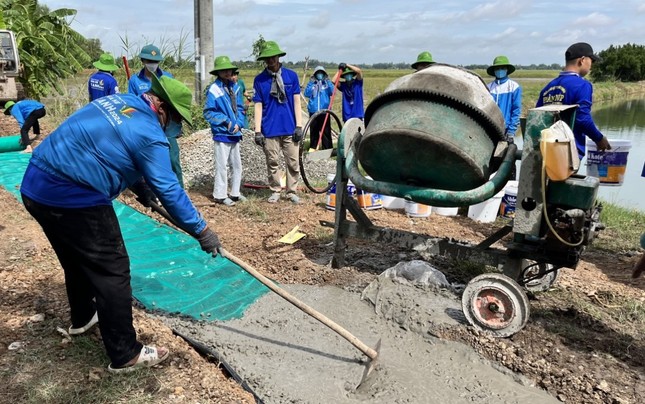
(366, 200)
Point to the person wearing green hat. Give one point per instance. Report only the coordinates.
(27, 113)
(278, 127)
(223, 110)
(111, 144)
(423, 60)
(352, 89)
(102, 82)
(246, 98)
(141, 82)
(507, 94)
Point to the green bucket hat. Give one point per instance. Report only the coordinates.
(106, 63)
(348, 70)
(500, 61)
(424, 57)
(176, 93)
(270, 49)
(222, 63)
(151, 52)
(8, 106)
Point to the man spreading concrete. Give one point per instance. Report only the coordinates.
(72, 178)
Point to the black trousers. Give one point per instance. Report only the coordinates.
(31, 122)
(314, 132)
(90, 248)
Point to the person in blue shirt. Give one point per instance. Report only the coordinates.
(112, 143)
(102, 82)
(508, 97)
(352, 89)
(245, 98)
(224, 111)
(319, 91)
(27, 113)
(140, 83)
(278, 116)
(571, 88)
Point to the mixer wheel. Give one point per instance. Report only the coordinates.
(495, 303)
(538, 277)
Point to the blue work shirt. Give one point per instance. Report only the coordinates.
(352, 99)
(278, 119)
(218, 111)
(101, 84)
(22, 109)
(105, 147)
(570, 89)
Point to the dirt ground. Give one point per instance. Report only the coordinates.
(583, 343)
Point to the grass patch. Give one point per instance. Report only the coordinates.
(253, 208)
(623, 228)
(323, 234)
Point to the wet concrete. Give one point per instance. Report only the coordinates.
(289, 357)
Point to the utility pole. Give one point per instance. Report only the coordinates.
(203, 46)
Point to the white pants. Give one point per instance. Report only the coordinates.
(227, 155)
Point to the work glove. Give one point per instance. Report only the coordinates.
(342, 66)
(209, 242)
(259, 139)
(297, 135)
(144, 194)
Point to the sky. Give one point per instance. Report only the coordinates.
(459, 32)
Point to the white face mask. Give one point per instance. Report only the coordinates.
(151, 67)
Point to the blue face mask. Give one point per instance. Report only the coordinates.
(348, 77)
(500, 73)
(320, 76)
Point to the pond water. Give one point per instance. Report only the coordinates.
(625, 120)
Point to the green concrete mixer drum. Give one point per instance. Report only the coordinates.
(436, 128)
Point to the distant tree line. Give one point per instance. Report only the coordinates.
(622, 63)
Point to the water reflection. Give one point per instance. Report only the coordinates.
(625, 120)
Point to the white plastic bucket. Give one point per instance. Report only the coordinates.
(509, 199)
(609, 165)
(445, 211)
(368, 200)
(414, 209)
(486, 211)
(392, 202)
(330, 202)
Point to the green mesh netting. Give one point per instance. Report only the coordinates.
(169, 271)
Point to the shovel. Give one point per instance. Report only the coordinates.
(372, 354)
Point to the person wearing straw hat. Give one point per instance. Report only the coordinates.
(223, 110)
(352, 89)
(570, 88)
(141, 82)
(113, 143)
(423, 60)
(319, 91)
(27, 113)
(278, 127)
(102, 82)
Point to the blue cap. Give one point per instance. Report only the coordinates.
(151, 52)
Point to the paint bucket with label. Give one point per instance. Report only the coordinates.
(368, 200)
(330, 202)
(414, 209)
(509, 199)
(608, 165)
(486, 211)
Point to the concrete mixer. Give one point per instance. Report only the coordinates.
(436, 137)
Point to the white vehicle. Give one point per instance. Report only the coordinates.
(10, 87)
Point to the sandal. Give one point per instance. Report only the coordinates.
(275, 197)
(148, 357)
(225, 201)
(81, 330)
(293, 198)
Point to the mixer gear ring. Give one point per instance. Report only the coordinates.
(493, 131)
(495, 303)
